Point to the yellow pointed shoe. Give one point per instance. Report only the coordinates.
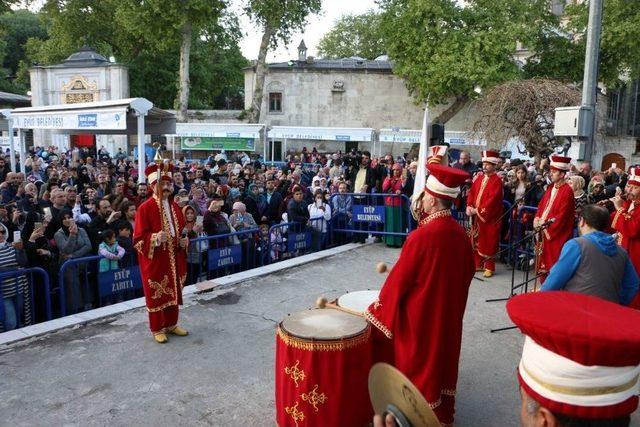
(160, 338)
(177, 330)
(487, 273)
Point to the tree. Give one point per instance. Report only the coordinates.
(19, 26)
(354, 35)
(445, 50)
(523, 109)
(149, 43)
(278, 19)
(161, 21)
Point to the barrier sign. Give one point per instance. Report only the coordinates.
(298, 242)
(224, 257)
(118, 281)
(364, 213)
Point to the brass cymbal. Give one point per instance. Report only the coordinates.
(390, 389)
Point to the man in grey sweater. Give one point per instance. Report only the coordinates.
(593, 263)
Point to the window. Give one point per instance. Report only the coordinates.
(637, 146)
(275, 102)
(613, 111)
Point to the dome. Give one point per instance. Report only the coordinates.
(85, 57)
(382, 58)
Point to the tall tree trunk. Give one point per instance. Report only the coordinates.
(183, 88)
(261, 70)
(443, 118)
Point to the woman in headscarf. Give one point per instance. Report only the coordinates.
(394, 215)
(16, 297)
(73, 242)
(194, 252)
(256, 204)
(199, 202)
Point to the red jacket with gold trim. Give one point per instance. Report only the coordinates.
(421, 306)
(162, 265)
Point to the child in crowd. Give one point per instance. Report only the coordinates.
(110, 250)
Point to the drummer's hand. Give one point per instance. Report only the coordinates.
(387, 422)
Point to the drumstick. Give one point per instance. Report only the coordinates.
(323, 303)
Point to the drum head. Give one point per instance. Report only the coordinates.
(358, 300)
(323, 324)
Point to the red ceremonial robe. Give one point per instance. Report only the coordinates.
(486, 196)
(163, 268)
(421, 307)
(626, 222)
(560, 206)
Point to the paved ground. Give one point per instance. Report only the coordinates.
(222, 374)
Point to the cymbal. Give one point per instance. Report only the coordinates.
(391, 391)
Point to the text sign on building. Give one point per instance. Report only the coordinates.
(226, 143)
(364, 213)
(298, 241)
(224, 257)
(117, 281)
(95, 120)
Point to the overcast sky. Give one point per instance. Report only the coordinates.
(317, 26)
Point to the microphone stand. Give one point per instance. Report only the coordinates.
(528, 239)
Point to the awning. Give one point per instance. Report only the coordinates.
(218, 130)
(116, 117)
(321, 133)
(412, 136)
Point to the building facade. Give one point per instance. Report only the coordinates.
(85, 76)
(348, 93)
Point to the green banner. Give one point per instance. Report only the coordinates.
(217, 143)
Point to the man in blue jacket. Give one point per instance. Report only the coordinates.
(593, 263)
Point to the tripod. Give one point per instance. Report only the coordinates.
(527, 241)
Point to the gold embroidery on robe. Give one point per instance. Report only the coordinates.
(296, 415)
(161, 288)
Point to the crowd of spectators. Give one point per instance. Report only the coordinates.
(74, 204)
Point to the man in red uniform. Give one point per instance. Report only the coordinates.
(422, 302)
(484, 207)
(556, 212)
(161, 253)
(626, 222)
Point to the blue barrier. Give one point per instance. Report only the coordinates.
(294, 239)
(99, 287)
(381, 214)
(28, 273)
(224, 254)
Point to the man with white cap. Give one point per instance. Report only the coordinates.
(555, 217)
(580, 360)
(419, 313)
(484, 207)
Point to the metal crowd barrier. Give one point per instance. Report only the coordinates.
(82, 286)
(28, 273)
(293, 239)
(220, 255)
(378, 214)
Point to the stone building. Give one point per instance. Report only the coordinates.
(621, 142)
(347, 94)
(84, 76)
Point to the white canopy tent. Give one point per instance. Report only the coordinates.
(131, 116)
(318, 134)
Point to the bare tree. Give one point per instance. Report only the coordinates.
(524, 109)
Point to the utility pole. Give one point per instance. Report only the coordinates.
(590, 80)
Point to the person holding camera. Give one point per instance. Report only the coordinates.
(106, 218)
